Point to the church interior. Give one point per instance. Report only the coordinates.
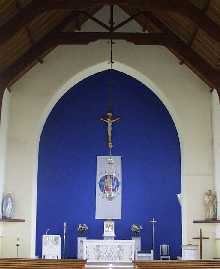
(110, 134)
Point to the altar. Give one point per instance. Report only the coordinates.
(108, 251)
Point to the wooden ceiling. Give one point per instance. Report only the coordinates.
(31, 29)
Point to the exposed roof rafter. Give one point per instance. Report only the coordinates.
(150, 8)
(36, 7)
(191, 58)
(38, 50)
(185, 8)
(55, 38)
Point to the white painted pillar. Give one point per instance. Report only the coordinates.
(216, 158)
(3, 150)
(3, 139)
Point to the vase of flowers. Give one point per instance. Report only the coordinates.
(82, 229)
(136, 230)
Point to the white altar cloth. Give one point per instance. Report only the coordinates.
(109, 251)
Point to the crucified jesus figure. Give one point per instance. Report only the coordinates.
(109, 120)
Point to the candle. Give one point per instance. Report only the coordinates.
(18, 242)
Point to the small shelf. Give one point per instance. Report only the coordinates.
(12, 220)
(207, 221)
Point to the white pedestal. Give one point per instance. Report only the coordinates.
(137, 240)
(217, 247)
(145, 256)
(80, 240)
(190, 252)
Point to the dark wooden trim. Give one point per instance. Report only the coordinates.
(21, 19)
(39, 50)
(180, 49)
(126, 21)
(105, 26)
(177, 264)
(191, 58)
(63, 38)
(168, 39)
(184, 8)
(41, 263)
(207, 221)
(36, 7)
(2, 91)
(12, 220)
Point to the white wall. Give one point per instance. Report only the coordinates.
(185, 95)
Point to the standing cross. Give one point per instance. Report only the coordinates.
(201, 238)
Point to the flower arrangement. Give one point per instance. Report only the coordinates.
(82, 228)
(136, 229)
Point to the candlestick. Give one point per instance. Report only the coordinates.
(64, 238)
(17, 246)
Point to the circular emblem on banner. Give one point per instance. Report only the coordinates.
(109, 186)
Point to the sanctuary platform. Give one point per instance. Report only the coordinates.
(81, 264)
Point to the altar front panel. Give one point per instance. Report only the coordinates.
(109, 250)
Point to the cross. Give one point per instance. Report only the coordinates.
(109, 120)
(153, 222)
(201, 238)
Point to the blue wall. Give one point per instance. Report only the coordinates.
(146, 138)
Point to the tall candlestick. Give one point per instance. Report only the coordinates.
(17, 246)
(64, 238)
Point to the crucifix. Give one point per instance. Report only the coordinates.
(153, 222)
(201, 238)
(110, 120)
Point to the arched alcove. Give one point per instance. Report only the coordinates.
(146, 138)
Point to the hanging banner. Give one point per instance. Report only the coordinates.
(108, 187)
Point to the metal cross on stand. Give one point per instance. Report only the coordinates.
(201, 238)
(153, 222)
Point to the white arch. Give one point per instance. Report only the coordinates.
(73, 81)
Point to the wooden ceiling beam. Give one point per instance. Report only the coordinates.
(168, 39)
(192, 59)
(21, 19)
(54, 39)
(34, 9)
(185, 8)
(83, 38)
(199, 65)
(38, 50)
